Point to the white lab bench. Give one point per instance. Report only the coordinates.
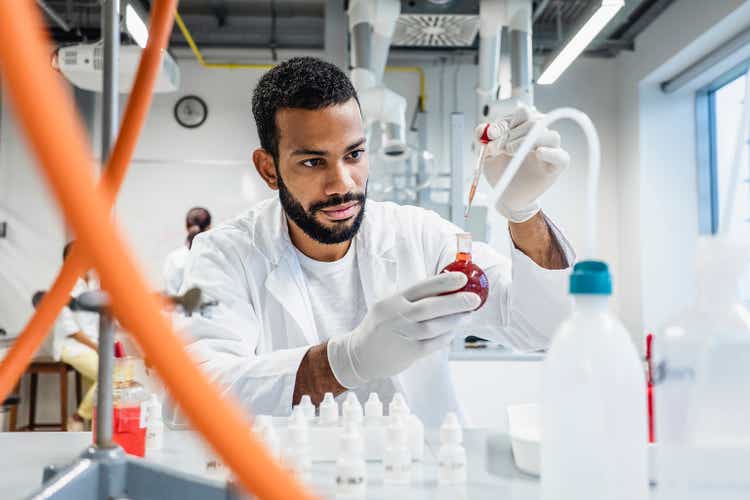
(491, 474)
(487, 380)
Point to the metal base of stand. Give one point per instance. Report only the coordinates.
(106, 473)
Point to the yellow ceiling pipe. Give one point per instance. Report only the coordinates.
(202, 61)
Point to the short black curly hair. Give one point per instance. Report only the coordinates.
(300, 82)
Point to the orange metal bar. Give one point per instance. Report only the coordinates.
(58, 140)
(32, 336)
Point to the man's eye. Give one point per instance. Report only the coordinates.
(356, 155)
(312, 162)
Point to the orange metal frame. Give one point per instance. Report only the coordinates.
(47, 114)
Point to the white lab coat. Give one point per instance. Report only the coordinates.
(174, 269)
(254, 340)
(69, 322)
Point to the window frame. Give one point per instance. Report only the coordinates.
(706, 153)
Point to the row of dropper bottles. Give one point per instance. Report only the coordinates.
(403, 433)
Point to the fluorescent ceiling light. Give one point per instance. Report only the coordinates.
(136, 27)
(580, 40)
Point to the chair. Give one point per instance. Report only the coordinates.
(52, 367)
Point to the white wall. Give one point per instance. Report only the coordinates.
(31, 253)
(656, 173)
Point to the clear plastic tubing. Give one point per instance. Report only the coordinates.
(594, 161)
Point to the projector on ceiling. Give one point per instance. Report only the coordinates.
(83, 64)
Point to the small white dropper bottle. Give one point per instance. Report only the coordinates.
(414, 426)
(397, 457)
(154, 425)
(351, 471)
(297, 446)
(308, 409)
(373, 410)
(263, 426)
(351, 410)
(452, 455)
(329, 410)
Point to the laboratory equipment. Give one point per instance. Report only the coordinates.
(154, 425)
(477, 170)
(351, 471)
(296, 453)
(477, 280)
(328, 410)
(397, 458)
(414, 427)
(129, 407)
(452, 455)
(594, 424)
(702, 367)
(106, 458)
(308, 409)
(263, 426)
(373, 410)
(351, 410)
(524, 427)
(650, 386)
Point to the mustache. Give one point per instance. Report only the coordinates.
(336, 200)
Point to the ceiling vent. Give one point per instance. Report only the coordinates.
(432, 23)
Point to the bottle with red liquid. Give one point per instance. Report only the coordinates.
(129, 399)
(478, 282)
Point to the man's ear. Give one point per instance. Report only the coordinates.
(266, 167)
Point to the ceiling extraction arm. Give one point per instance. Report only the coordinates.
(501, 87)
(371, 25)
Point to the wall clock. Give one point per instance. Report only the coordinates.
(190, 111)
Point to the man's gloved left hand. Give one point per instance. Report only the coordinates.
(539, 170)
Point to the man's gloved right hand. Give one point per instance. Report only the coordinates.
(401, 329)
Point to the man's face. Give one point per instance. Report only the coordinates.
(322, 170)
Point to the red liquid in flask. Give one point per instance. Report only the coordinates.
(478, 282)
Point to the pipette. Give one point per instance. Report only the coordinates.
(477, 169)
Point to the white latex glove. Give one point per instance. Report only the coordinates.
(538, 172)
(401, 329)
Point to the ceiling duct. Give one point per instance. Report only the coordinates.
(371, 25)
(433, 23)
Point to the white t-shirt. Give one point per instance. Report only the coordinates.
(338, 306)
(70, 322)
(174, 269)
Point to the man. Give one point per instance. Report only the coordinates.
(323, 291)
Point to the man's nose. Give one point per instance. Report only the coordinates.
(339, 179)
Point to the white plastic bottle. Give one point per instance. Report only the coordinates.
(351, 473)
(373, 410)
(452, 455)
(351, 410)
(308, 409)
(701, 375)
(263, 426)
(414, 427)
(329, 410)
(296, 452)
(154, 425)
(397, 457)
(594, 415)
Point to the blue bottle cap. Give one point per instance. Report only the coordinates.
(591, 277)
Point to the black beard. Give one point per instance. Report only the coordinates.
(305, 219)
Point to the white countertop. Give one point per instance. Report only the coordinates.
(491, 471)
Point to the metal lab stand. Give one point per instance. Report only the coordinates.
(104, 470)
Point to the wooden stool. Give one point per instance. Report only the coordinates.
(61, 370)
